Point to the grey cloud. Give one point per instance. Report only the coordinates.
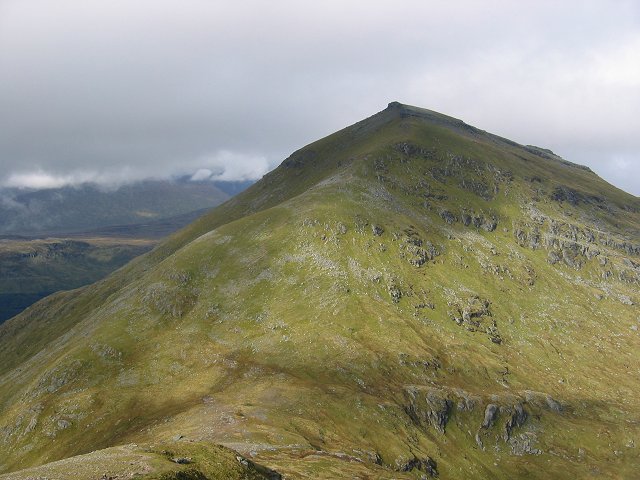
(117, 91)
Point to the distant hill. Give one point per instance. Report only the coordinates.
(31, 269)
(64, 238)
(89, 206)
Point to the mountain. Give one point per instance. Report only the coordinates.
(409, 297)
(90, 206)
(31, 269)
(88, 242)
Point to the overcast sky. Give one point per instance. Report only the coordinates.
(114, 90)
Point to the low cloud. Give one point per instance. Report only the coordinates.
(231, 166)
(221, 166)
(41, 180)
(201, 175)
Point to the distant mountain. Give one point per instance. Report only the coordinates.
(95, 231)
(152, 229)
(89, 206)
(31, 269)
(410, 297)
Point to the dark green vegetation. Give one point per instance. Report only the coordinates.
(409, 297)
(31, 269)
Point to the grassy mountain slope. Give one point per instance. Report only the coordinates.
(165, 461)
(407, 297)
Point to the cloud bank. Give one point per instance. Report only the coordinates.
(118, 91)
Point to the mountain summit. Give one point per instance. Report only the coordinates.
(409, 297)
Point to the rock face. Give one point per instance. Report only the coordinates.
(377, 230)
(553, 404)
(517, 419)
(429, 408)
(432, 409)
(448, 216)
(475, 315)
(490, 414)
(426, 465)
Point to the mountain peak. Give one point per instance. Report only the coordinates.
(404, 111)
(427, 297)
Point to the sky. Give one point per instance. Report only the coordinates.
(113, 91)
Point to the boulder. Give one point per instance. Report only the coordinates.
(490, 414)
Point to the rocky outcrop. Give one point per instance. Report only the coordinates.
(171, 300)
(448, 216)
(468, 218)
(479, 177)
(395, 292)
(428, 407)
(553, 404)
(412, 150)
(516, 419)
(474, 314)
(523, 444)
(300, 158)
(490, 414)
(377, 230)
(574, 246)
(426, 465)
(562, 193)
(478, 220)
(505, 419)
(416, 250)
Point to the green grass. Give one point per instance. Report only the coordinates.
(165, 461)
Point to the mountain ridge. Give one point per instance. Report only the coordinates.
(424, 301)
(404, 110)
